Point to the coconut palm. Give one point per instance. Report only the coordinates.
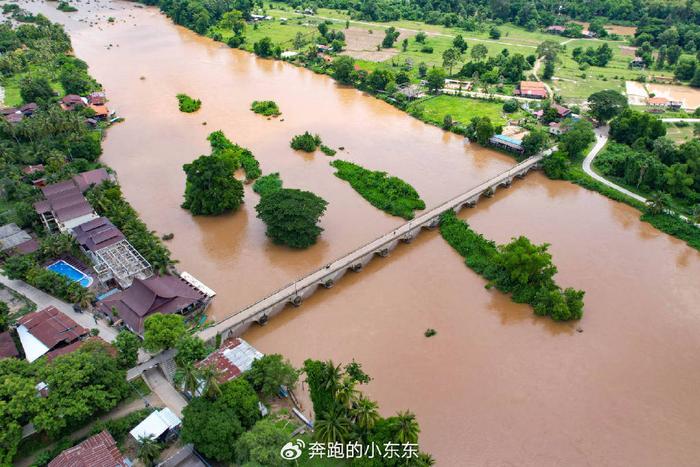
(346, 394)
(332, 377)
(696, 214)
(407, 427)
(425, 460)
(656, 204)
(365, 413)
(333, 427)
(210, 375)
(188, 377)
(148, 450)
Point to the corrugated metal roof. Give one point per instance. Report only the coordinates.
(156, 424)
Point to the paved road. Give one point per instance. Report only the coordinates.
(42, 300)
(675, 120)
(601, 135)
(601, 139)
(165, 391)
(86, 320)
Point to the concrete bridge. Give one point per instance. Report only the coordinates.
(296, 292)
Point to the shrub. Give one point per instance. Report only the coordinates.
(188, 104)
(306, 142)
(390, 194)
(328, 151)
(267, 108)
(267, 184)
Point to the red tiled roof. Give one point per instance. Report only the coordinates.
(8, 349)
(52, 327)
(30, 169)
(65, 200)
(97, 451)
(227, 370)
(30, 246)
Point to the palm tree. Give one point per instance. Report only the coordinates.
(365, 413)
(148, 450)
(407, 427)
(656, 204)
(188, 377)
(333, 427)
(85, 297)
(346, 394)
(425, 460)
(696, 214)
(333, 376)
(210, 375)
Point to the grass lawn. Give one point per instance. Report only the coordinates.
(462, 109)
(576, 84)
(680, 134)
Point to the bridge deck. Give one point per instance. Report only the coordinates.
(293, 289)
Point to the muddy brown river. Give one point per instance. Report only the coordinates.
(497, 386)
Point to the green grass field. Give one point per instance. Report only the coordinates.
(462, 109)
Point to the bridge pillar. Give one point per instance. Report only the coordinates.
(489, 192)
(432, 223)
(410, 235)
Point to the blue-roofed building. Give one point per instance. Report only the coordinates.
(506, 142)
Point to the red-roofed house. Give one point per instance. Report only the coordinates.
(97, 451)
(231, 359)
(8, 349)
(72, 102)
(556, 29)
(47, 331)
(85, 180)
(531, 89)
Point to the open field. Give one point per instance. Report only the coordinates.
(574, 84)
(462, 109)
(680, 134)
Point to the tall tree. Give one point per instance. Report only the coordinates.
(607, 104)
(211, 188)
(292, 217)
(162, 331)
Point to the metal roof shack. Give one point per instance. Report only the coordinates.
(156, 425)
(8, 349)
(506, 142)
(47, 331)
(11, 236)
(231, 359)
(157, 294)
(97, 451)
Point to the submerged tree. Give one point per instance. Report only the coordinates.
(211, 188)
(292, 216)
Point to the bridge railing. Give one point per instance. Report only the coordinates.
(405, 228)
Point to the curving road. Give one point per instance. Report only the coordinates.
(601, 135)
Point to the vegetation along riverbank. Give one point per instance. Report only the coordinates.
(519, 268)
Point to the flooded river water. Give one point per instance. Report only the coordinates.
(496, 386)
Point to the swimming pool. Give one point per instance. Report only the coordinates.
(65, 269)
